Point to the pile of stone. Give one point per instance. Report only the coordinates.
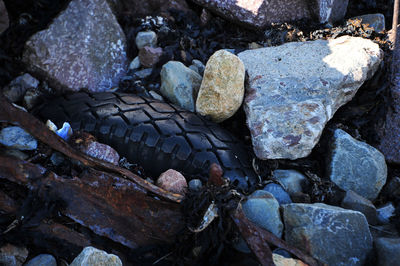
(291, 93)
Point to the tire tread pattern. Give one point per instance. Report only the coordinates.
(147, 131)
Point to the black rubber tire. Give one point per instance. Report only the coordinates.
(156, 135)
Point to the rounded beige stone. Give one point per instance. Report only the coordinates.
(222, 89)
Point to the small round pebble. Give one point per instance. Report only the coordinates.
(172, 181)
(146, 38)
(195, 184)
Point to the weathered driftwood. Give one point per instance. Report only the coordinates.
(107, 204)
(110, 200)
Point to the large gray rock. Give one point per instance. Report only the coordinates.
(388, 251)
(263, 209)
(84, 47)
(260, 13)
(333, 235)
(294, 89)
(180, 84)
(355, 165)
(91, 256)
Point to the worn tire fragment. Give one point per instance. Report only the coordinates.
(156, 135)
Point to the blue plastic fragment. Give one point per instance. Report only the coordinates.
(65, 132)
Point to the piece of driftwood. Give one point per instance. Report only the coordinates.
(107, 204)
(112, 201)
(11, 114)
(259, 240)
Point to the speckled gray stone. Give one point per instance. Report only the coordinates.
(180, 84)
(42, 260)
(355, 202)
(292, 181)
(263, 209)
(84, 47)
(388, 251)
(332, 235)
(17, 138)
(146, 38)
(260, 13)
(91, 256)
(294, 89)
(355, 165)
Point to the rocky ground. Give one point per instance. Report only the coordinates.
(300, 117)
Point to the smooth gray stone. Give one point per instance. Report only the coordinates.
(355, 165)
(42, 260)
(195, 184)
(146, 38)
(279, 193)
(292, 180)
(355, 202)
(388, 251)
(332, 235)
(180, 84)
(263, 209)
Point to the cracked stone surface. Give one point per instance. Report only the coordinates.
(84, 47)
(355, 165)
(332, 235)
(260, 13)
(295, 89)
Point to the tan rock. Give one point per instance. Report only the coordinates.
(282, 261)
(172, 181)
(222, 89)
